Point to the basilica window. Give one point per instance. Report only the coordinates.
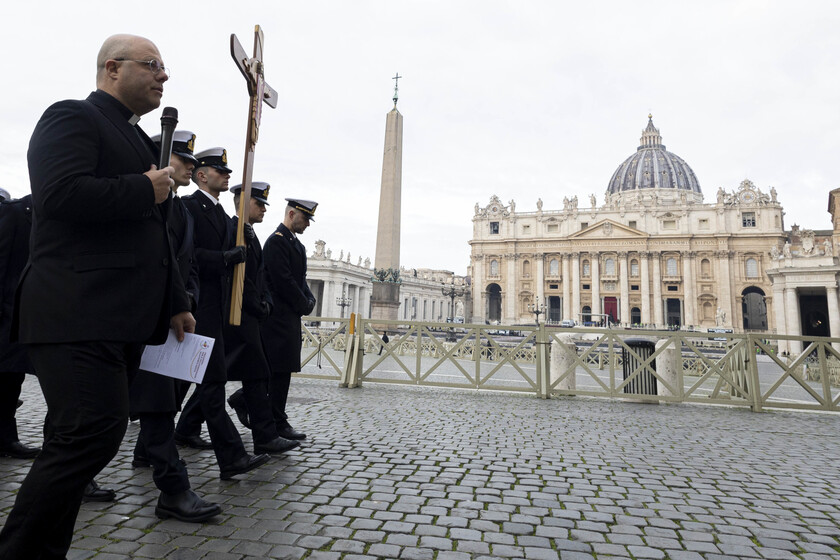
(632, 224)
(634, 268)
(553, 228)
(748, 219)
(587, 269)
(554, 268)
(609, 267)
(705, 268)
(494, 267)
(752, 268)
(494, 228)
(526, 228)
(671, 267)
(584, 225)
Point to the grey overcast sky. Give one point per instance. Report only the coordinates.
(522, 99)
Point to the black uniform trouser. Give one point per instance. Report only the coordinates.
(253, 396)
(10, 383)
(157, 443)
(279, 390)
(85, 386)
(207, 404)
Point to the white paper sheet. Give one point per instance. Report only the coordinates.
(185, 360)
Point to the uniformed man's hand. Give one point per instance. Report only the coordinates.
(181, 323)
(310, 305)
(161, 181)
(235, 255)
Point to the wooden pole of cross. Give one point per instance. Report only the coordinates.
(259, 92)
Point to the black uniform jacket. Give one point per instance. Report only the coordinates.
(101, 266)
(150, 392)
(244, 351)
(285, 275)
(213, 235)
(15, 225)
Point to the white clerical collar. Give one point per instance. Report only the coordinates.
(133, 120)
(210, 196)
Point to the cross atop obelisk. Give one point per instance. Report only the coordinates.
(396, 88)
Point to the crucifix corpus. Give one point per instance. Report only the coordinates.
(259, 91)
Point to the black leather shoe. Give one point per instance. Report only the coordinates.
(93, 493)
(192, 441)
(241, 410)
(243, 465)
(286, 431)
(140, 462)
(186, 506)
(277, 445)
(19, 451)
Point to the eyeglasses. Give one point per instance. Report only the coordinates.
(154, 65)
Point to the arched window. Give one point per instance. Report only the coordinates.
(634, 268)
(752, 268)
(609, 267)
(586, 269)
(526, 268)
(554, 268)
(494, 267)
(671, 267)
(705, 268)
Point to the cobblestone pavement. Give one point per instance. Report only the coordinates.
(421, 473)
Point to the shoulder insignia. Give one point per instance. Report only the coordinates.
(278, 233)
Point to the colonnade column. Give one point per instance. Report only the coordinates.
(595, 272)
(833, 314)
(509, 312)
(779, 312)
(478, 291)
(688, 288)
(792, 320)
(575, 286)
(567, 288)
(623, 280)
(658, 317)
(643, 262)
(328, 306)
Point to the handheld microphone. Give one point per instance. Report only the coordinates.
(168, 122)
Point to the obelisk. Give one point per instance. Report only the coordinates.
(385, 297)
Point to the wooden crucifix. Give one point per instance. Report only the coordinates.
(259, 91)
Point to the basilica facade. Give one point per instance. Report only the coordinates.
(654, 253)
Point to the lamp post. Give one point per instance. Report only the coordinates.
(343, 301)
(451, 291)
(537, 309)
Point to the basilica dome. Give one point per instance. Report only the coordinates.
(653, 167)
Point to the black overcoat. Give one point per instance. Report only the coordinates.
(244, 351)
(15, 225)
(285, 276)
(102, 267)
(213, 235)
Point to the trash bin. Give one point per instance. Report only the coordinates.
(645, 382)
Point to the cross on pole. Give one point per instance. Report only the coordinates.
(259, 92)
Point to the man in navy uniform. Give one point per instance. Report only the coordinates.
(216, 255)
(100, 283)
(285, 270)
(244, 350)
(15, 224)
(154, 398)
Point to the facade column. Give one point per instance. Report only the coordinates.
(624, 285)
(540, 278)
(779, 311)
(833, 314)
(595, 273)
(643, 262)
(688, 288)
(575, 286)
(658, 317)
(328, 306)
(567, 288)
(725, 286)
(509, 314)
(478, 287)
(792, 320)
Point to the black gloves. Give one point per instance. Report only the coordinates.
(265, 311)
(310, 305)
(234, 256)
